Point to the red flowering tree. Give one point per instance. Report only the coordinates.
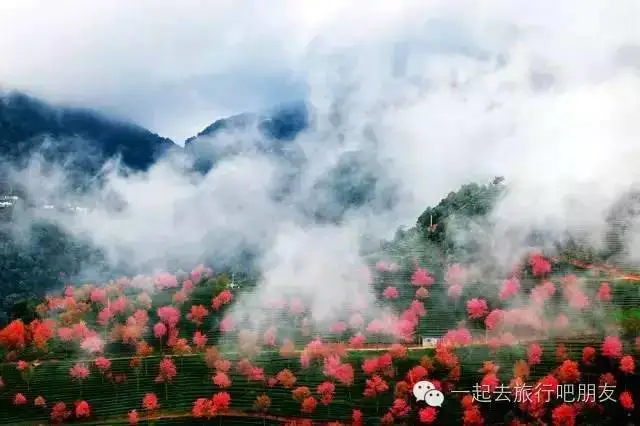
(13, 336)
(166, 372)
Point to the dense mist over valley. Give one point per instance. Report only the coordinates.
(388, 124)
(295, 214)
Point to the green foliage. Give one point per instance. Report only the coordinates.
(620, 221)
(436, 235)
(25, 122)
(471, 200)
(629, 320)
(30, 268)
(214, 286)
(626, 295)
(441, 231)
(221, 283)
(25, 309)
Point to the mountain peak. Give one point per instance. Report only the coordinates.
(274, 129)
(282, 123)
(26, 122)
(234, 122)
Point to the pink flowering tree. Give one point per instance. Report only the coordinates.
(166, 372)
(79, 373)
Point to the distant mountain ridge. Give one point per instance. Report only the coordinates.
(282, 124)
(28, 124)
(272, 133)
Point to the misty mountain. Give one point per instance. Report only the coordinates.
(80, 139)
(355, 180)
(264, 133)
(285, 123)
(83, 140)
(29, 125)
(623, 221)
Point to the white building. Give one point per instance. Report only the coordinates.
(430, 341)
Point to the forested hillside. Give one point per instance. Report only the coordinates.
(53, 257)
(30, 268)
(88, 139)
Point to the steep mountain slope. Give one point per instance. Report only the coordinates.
(283, 124)
(28, 125)
(270, 132)
(83, 140)
(355, 180)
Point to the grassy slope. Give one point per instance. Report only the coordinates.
(193, 381)
(111, 402)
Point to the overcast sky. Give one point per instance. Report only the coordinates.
(175, 66)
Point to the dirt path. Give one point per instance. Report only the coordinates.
(611, 270)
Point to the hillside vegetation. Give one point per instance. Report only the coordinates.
(173, 347)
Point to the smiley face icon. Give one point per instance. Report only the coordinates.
(434, 398)
(421, 388)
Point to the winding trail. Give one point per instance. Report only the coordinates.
(611, 270)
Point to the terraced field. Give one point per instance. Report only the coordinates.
(290, 371)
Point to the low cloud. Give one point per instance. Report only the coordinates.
(429, 97)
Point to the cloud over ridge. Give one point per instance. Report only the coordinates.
(428, 96)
